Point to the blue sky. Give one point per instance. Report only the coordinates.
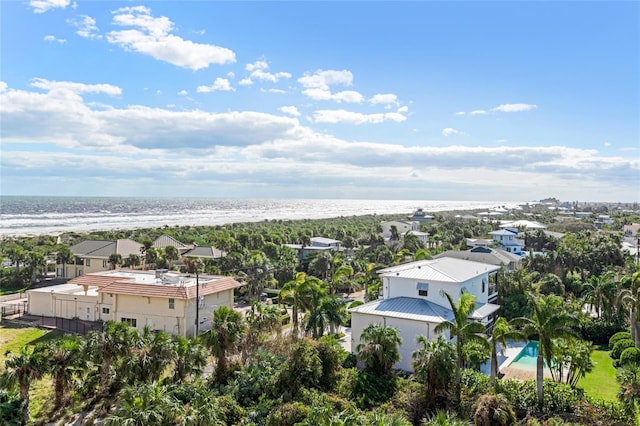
(372, 100)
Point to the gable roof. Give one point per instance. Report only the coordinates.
(407, 308)
(444, 269)
(207, 252)
(503, 232)
(166, 240)
(483, 255)
(104, 249)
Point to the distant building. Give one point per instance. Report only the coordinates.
(402, 227)
(318, 244)
(508, 240)
(159, 299)
(93, 255)
(420, 216)
(491, 256)
(603, 220)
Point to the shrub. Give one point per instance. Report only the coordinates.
(493, 410)
(288, 414)
(356, 303)
(630, 355)
(599, 331)
(621, 335)
(620, 346)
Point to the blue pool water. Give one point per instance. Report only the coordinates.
(527, 358)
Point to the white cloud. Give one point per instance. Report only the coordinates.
(152, 36)
(52, 38)
(607, 144)
(324, 79)
(272, 90)
(41, 6)
(258, 71)
(245, 82)
(478, 112)
(257, 150)
(514, 107)
(343, 116)
(183, 93)
(385, 99)
(348, 96)
(451, 131)
(460, 113)
(86, 26)
(291, 110)
(74, 87)
(219, 85)
(403, 109)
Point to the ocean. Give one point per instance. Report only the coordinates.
(22, 216)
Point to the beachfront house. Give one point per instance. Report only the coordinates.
(413, 301)
(93, 255)
(159, 299)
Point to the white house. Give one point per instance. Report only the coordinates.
(508, 240)
(414, 302)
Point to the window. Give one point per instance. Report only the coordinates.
(105, 311)
(104, 263)
(423, 289)
(131, 321)
(87, 262)
(172, 303)
(483, 286)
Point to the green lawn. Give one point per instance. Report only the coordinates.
(601, 382)
(12, 339)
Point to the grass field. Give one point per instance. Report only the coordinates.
(601, 382)
(12, 339)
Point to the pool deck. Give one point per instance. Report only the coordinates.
(512, 351)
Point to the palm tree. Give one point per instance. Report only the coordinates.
(629, 378)
(63, 360)
(549, 320)
(17, 255)
(133, 261)
(146, 404)
(223, 337)
(115, 259)
(301, 293)
(21, 370)
(115, 341)
(462, 329)
(154, 354)
(630, 297)
(327, 313)
(434, 365)
(63, 257)
(379, 349)
(36, 261)
(502, 331)
(190, 358)
(171, 254)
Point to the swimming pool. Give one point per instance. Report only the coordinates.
(527, 358)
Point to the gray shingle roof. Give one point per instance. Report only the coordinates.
(483, 255)
(104, 249)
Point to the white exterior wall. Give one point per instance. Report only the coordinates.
(409, 332)
(403, 287)
(151, 311)
(211, 303)
(402, 227)
(64, 305)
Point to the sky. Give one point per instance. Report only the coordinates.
(355, 100)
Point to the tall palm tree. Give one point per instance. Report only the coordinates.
(327, 313)
(301, 292)
(21, 370)
(461, 328)
(630, 298)
(115, 259)
(63, 257)
(171, 254)
(146, 404)
(63, 359)
(379, 349)
(550, 319)
(502, 331)
(223, 337)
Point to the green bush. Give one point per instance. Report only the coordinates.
(621, 335)
(630, 356)
(599, 331)
(356, 303)
(620, 346)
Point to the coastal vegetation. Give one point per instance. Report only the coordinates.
(581, 291)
